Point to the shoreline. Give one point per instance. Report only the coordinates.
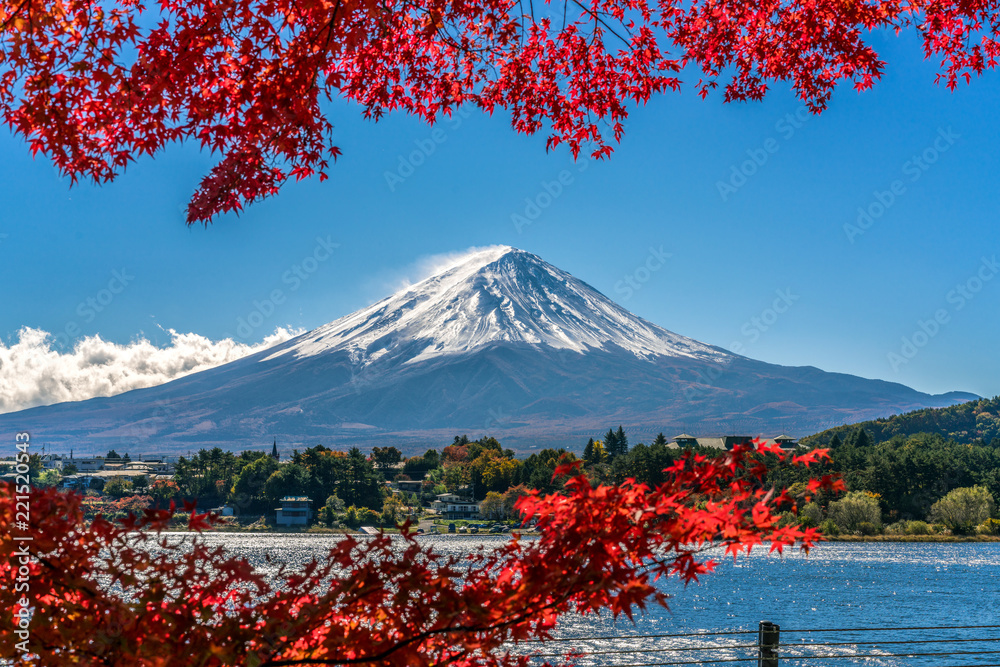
(913, 538)
(325, 532)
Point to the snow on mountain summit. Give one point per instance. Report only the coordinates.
(488, 296)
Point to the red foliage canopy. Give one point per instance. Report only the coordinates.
(110, 594)
(94, 84)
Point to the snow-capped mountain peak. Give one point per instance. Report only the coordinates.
(489, 296)
(496, 342)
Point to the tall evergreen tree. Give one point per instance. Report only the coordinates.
(611, 443)
(859, 438)
(621, 440)
(588, 452)
(660, 440)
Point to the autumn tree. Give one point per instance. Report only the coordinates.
(594, 452)
(163, 491)
(492, 506)
(393, 510)
(104, 592)
(95, 86)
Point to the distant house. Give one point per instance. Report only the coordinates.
(85, 480)
(294, 511)
(729, 441)
(52, 462)
(89, 464)
(785, 441)
(685, 440)
(409, 485)
(452, 506)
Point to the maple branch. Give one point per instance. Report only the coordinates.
(597, 19)
(14, 14)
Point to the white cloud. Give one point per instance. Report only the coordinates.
(32, 373)
(393, 280)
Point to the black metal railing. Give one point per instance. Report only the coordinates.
(940, 646)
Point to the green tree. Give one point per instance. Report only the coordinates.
(859, 437)
(811, 515)
(35, 467)
(48, 478)
(510, 499)
(386, 457)
(621, 440)
(327, 470)
(248, 456)
(248, 490)
(611, 443)
(368, 517)
(963, 509)
(433, 459)
(854, 510)
(140, 483)
(537, 470)
(418, 467)
(660, 440)
(290, 479)
(118, 487)
(333, 508)
(361, 486)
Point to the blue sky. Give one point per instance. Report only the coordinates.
(920, 268)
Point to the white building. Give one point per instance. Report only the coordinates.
(88, 464)
(294, 511)
(452, 506)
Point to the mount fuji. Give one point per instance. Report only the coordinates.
(498, 343)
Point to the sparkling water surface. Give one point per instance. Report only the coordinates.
(838, 586)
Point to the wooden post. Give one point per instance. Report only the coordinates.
(767, 644)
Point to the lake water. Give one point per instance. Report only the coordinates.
(838, 586)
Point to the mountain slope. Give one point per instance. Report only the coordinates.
(498, 342)
(492, 296)
(967, 423)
